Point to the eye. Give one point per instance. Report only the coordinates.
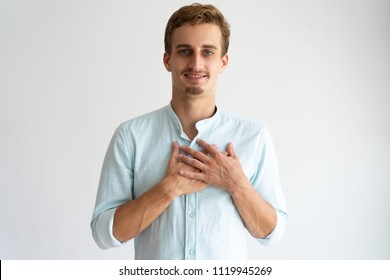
(185, 52)
(208, 53)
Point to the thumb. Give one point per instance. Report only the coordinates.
(230, 150)
(175, 152)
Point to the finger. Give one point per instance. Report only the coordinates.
(207, 147)
(192, 175)
(192, 162)
(201, 156)
(230, 150)
(175, 152)
(175, 148)
(214, 146)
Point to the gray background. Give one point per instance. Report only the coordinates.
(317, 73)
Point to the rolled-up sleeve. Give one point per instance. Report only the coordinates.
(266, 181)
(115, 188)
(102, 227)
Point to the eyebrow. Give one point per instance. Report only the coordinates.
(206, 46)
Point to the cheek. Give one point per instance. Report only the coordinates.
(217, 65)
(216, 69)
(177, 66)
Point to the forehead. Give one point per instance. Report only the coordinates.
(197, 35)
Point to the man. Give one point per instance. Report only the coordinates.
(188, 180)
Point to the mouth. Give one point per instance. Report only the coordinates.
(195, 76)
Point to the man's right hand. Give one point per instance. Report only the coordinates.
(182, 185)
(132, 217)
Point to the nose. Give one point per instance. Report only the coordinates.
(196, 61)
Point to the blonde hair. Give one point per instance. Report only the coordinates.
(196, 14)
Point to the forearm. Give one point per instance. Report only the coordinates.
(224, 170)
(133, 217)
(257, 214)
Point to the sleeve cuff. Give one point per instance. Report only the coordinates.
(276, 234)
(103, 230)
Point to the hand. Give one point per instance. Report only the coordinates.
(218, 169)
(182, 184)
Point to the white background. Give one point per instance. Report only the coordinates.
(317, 73)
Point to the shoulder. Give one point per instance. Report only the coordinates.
(241, 123)
(139, 127)
(143, 121)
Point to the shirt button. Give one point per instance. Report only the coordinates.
(190, 252)
(191, 215)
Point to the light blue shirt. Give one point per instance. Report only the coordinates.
(202, 225)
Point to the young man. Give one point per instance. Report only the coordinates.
(188, 180)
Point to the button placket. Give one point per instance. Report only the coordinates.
(190, 246)
(190, 226)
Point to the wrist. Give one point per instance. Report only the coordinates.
(239, 186)
(168, 186)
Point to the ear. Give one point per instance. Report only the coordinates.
(167, 62)
(224, 63)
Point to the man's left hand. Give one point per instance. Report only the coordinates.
(220, 169)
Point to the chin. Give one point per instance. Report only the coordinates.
(194, 90)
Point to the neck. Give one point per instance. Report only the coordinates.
(190, 111)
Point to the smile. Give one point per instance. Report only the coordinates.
(195, 76)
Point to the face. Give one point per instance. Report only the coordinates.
(196, 59)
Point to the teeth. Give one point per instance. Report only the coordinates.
(196, 76)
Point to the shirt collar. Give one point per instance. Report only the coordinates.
(200, 125)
